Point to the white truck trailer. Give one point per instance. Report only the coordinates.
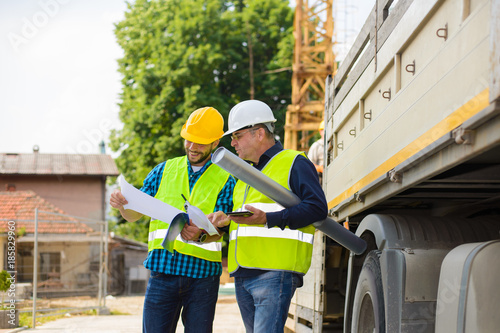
(413, 168)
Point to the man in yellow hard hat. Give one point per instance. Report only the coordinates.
(316, 151)
(187, 279)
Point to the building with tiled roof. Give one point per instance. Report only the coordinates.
(76, 183)
(55, 232)
(69, 246)
(68, 250)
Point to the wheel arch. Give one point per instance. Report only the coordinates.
(411, 244)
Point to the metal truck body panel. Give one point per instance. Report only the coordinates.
(412, 165)
(448, 87)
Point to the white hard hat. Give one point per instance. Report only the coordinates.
(250, 113)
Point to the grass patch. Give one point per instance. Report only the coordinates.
(26, 318)
(119, 313)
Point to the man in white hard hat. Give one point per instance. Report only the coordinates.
(187, 279)
(270, 251)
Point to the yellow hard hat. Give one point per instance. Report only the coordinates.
(203, 126)
(321, 126)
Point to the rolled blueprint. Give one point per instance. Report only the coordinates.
(274, 191)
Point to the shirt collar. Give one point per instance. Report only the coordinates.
(268, 154)
(202, 170)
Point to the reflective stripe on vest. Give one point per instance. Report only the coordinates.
(212, 246)
(271, 233)
(157, 234)
(161, 233)
(175, 182)
(253, 246)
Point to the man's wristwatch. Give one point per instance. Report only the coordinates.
(202, 238)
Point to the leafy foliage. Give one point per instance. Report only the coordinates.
(180, 55)
(5, 281)
(137, 230)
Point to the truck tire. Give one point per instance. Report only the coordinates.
(368, 314)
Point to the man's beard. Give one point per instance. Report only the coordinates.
(199, 159)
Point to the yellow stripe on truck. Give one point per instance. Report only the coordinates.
(455, 119)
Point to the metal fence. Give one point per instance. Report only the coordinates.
(103, 261)
(59, 264)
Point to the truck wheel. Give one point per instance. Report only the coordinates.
(368, 315)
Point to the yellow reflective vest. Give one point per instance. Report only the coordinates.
(256, 246)
(174, 182)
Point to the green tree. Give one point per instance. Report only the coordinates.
(5, 282)
(180, 55)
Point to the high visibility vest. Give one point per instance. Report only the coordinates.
(256, 246)
(174, 182)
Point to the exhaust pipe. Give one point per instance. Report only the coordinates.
(262, 183)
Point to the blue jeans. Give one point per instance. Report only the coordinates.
(264, 300)
(166, 295)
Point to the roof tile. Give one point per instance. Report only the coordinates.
(19, 206)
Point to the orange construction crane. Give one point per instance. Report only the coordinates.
(313, 62)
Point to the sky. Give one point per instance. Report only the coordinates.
(59, 80)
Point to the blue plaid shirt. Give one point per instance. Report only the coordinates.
(160, 260)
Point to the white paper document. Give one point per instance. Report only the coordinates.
(200, 220)
(159, 210)
(146, 204)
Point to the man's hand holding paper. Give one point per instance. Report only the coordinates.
(199, 219)
(132, 200)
